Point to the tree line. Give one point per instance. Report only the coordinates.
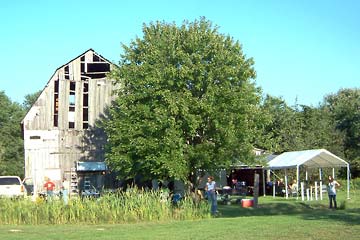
(11, 140)
(188, 100)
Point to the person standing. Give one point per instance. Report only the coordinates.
(210, 189)
(49, 187)
(65, 190)
(332, 192)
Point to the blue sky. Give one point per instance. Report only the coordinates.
(303, 50)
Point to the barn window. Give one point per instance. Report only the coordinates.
(72, 86)
(96, 58)
(56, 102)
(85, 105)
(72, 98)
(98, 67)
(85, 115)
(35, 137)
(66, 70)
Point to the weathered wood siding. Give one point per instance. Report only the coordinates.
(51, 144)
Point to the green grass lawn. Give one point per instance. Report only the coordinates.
(274, 219)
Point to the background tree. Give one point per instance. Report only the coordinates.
(283, 130)
(30, 99)
(11, 143)
(299, 128)
(318, 130)
(187, 101)
(345, 109)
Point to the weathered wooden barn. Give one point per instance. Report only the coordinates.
(61, 139)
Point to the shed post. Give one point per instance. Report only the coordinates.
(256, 190)
(263, 177)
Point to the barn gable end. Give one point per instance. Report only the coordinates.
(59, 129)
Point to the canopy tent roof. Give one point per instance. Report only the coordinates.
(317, 158)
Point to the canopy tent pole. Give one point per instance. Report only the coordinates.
(302, 191)
(273, 185)
(297, 181)
(348, 180)
(286, 184)
(320, 178)
(307, 184)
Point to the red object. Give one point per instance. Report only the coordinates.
(245, 203)
(49, 186)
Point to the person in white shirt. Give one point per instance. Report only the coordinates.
(65, 190)
(210, 189)
(332, 192)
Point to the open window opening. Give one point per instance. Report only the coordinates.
(72, 99)
(85, 105)
(56, 102)
(97, 58)
(67, 73)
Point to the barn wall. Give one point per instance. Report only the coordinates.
(41, 150)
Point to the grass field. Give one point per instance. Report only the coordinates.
(274, 219)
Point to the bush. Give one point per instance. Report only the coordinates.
(355, 184)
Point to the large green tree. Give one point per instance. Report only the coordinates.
(186, 101)
(11, 144)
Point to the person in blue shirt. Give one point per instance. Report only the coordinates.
(332, 192)
(210, 189)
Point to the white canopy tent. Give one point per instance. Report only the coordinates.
(317, 158)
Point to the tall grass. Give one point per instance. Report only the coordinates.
(134, 205)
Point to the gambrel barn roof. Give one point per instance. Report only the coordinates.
(99, 57)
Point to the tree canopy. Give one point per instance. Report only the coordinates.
(11, 144)
(187, 101)
(30, 99)
(345, 109)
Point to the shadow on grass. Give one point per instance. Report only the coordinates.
(305, 210)
(351, 216)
